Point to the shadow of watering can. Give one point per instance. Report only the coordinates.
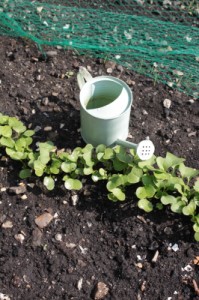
(105, 106)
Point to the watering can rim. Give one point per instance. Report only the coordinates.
(114, 79)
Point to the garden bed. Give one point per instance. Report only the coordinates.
(91, 240)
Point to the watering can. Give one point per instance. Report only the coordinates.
(105, 106)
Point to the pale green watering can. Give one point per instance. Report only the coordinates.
(105, 106)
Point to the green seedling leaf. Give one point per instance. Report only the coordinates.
(25, 173)
(55, 166)
(170, 161)
(16, 125)
(145, 204)
(20, 144)
(108, 154)
(168, 199)
(115, 181)
(100, 148)
(187, 172)
(99, 175)
(122, 155)
(135, 175)
(189, 210)
(196, 227)
(112, 197)
(147, 164)
(88, 159)
(3, 119)
(28, 133)
(141, 193)
(49, 183)
(87, 148)
(88, 171)
(196, 236)
(161, 175)
(5, 131)
(119, 195)
(148, 179)
(79, 171)
(159, 206)
(179, 188)
(177, 206)
(196, 186)
(145, 192)
(119, 165)
(68, 167)
(39, 167)
(73, 157)
(132, 152)
(72, 184)
(7, 142)
(16, 155)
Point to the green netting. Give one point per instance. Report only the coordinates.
(158, 38)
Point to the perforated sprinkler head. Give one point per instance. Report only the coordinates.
(144, 150)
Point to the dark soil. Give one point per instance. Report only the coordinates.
(95, 240)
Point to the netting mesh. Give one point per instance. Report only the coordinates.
(156, 38)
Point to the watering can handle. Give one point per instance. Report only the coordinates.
(83, 76)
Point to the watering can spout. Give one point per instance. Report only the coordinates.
(144, 150)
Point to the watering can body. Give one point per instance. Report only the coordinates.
(105, 106)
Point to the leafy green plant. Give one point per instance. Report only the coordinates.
(159, 181)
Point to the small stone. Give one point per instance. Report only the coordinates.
(24, 197)
(43, 220)
(101, 290)
(177, 72)
(175, 247)
(110, 65)
(79, 284)
(38, 78)
(109, 70)
(51, 53)
(167, 103)
(31, 185)
(55, 94)
(21, 189)
(187, 268)
(155, 257)
(34, 59)
(58, 237)
(74, 199)
(191, 101)
(193, 133)
(37, 237)
(45, 101)
(144, 112)
(120, 68)
(4, 297)
(33, 111)
(48, 128)
(70, 245)
(7, 224)
(139, 265)
(3, 189)
(19, 237)
(130, 82)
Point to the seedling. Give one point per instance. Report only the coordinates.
(161, 180)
